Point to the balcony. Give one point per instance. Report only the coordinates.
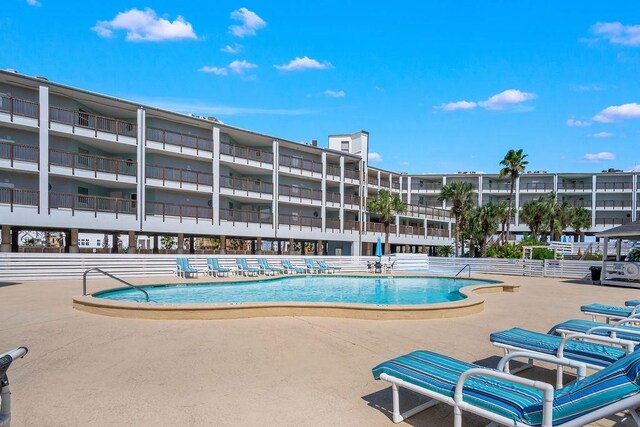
(578, 203)
(428, 212)
(429, 187)
(438, 232)
(612, 205)
(378, 227)
(247, 217)
(90, 125)
(333, 197)
(19, 197)
(575, 187)
(20, 153)
(177, 139)
(246, 187)
(184, 178)
(332, 224)
(410, 230)
(614, 187)
(351, 199)
(352, 174)
(612, 222)
(293, 193)
(249, 156)
(299, 222)
(333, 172)
(176, 211)
(16, 110)
(95, 165)
(497, 187)
(385, 183)
(84, 203)
(294, 164)
(395, 185)
(351, 225)
(536, 187)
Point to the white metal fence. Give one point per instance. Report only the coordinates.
(36, 266)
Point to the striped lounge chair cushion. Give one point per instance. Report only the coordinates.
(607, 310)
(582, 326)
(632, 302)
(439, 374)
(594, 354)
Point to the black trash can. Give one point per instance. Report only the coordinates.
(596, 272)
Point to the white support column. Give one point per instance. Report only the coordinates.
(517, 201)
(215, 167)
(408, 190)
(43, 143)
(634, 198)
(444, 204)
(426, 223)
(555, 183)
(323, 209)
(480, 190)
(142, 161)
(341, 194)
(594, 187)
(378, 174)
(397, 225)
(276, 180)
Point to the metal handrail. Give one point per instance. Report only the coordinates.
(124, 282)
(462, 269)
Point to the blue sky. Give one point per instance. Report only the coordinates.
(440, 86)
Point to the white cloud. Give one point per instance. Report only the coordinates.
(458, 105)
(250, 23)
(214, 70)
(577, 123)
(617, 33)
(34, 3)
(204, 109)
(375, 157)
(335, 93)
(602, 135)
(596, 157)
(232, 49)
(239, 67)
(304, 63)
(587, 88)
(618, 112)
(506, 98)
(145, 26)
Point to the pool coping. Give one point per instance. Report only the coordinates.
(472, 303)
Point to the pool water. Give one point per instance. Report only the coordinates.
(315, 289)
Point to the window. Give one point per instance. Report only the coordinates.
(83, 158)
(83, 242)
(344, 146)
(83, 118)
(98, 242)
(82, 191)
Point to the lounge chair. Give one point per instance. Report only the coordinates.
(216, 269)
(616, 330)
(183, 269)
(323, 266)
(310, 266)
(264, 267)
(6, 359)
(609, 312)
(244, 269)
(509, 400)
(571, 347)
(288, 268)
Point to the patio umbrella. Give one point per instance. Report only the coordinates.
(379, 248)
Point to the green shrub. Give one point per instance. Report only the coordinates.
(543, 253)
(444, 251)
(593, 257)
(634, 255)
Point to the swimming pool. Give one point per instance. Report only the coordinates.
(399, 290)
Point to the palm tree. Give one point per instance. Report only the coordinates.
(534, 214)
(387, 206)
(167, 242)
(481, 223)
(458, 194)
(502, 211)
(514, 164)
(580, 220)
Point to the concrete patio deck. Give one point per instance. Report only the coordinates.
(85, 369)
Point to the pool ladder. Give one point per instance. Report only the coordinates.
(124, 282)
(466, 266)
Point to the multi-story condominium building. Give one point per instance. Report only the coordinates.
(81, 162)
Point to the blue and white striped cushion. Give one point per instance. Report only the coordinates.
(440, 374)
(607, 310)
(595, 354)
(632, 302)
(582, 326)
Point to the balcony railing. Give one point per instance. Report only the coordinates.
(299, 192)
(246, 184)
(351, 225)
(411, 230)
(19, 197)
(246, 153)
(395, 185)
(299, 222)
(614, 186)
(292, 162)
(385, 183)
(333, 197)
(426, 186)
(91, 163)
(19, 152)
(333, 170)
(332, 223)
(575, 186)
(95, 204)
(543, 187)
(92, 122)
(578, 203)
(245, 216)
(611, 222)
(496, 186)
(173, 210)
(170, 137)
(19, 107)
(426, 211)
(437, 232)
(378, 227)
(614, 204)
(351, 199)
(165, 174)
(352, 174)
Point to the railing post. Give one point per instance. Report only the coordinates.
(11, 108)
